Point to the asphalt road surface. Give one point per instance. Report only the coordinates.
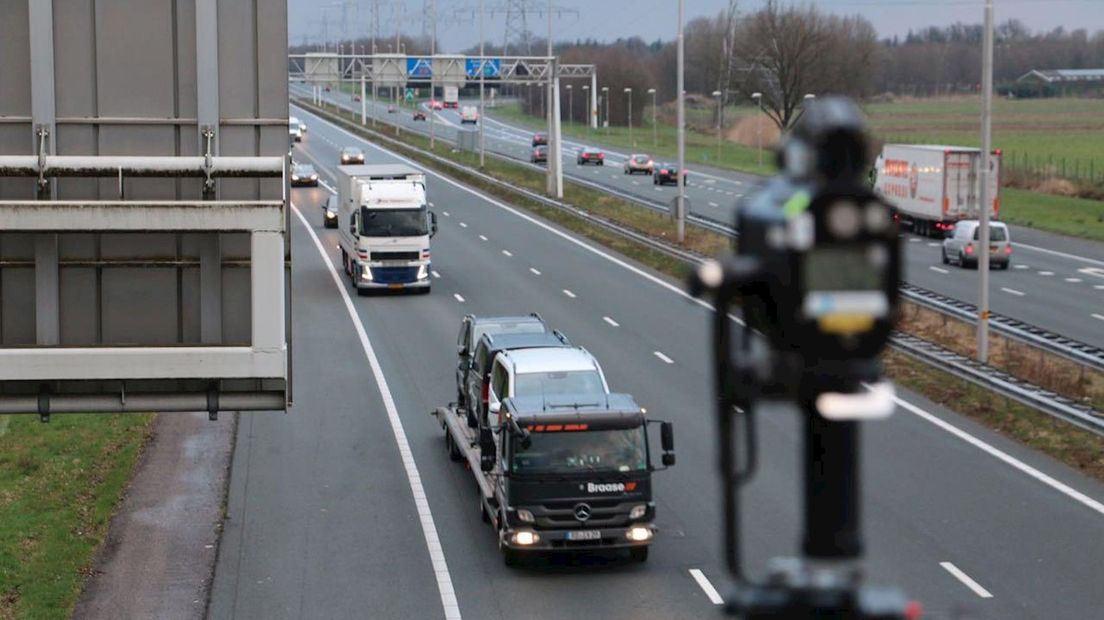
(348, 506)
(1055, 283)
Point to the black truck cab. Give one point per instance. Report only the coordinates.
(574, 474)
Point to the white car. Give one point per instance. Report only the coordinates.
(544, 371)
(293, 122)
(469, 114)
(961, 245)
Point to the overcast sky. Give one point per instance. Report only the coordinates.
(654, 19)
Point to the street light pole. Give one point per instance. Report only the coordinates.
(586, 96)
(482, 82)
(984, 198)
(570, 107)
(628, 91)
(717, 96)
(655, 132)
(680, 87)
(758, 97)
(605, 95)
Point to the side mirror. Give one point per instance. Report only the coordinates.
(668, 459)
(486, 449)
(667, 437)
(495, 408)
(432, 223)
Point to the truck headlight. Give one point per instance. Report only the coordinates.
(526, 538)
(638, 511)
(423, 272)
(330, 215)
(366, 274)
(294, 177)
(638, 534)
(525, 515)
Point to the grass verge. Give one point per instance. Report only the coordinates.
(1076, 217)
(1031, 364)
(59, 485)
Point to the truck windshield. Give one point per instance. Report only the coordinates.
(393, 222)
(545, 383)
(621, 450)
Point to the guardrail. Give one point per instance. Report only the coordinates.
(1002, 383)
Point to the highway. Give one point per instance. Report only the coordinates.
(349, 506)
(1055, 283)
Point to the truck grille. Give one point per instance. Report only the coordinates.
(396, 255)
(394, 275)
(604, 513)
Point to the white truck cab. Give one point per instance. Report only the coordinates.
(385, 227)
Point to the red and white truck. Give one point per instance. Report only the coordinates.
(935, 186)
(452, 97)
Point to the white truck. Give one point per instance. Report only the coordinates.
(452, 97)
(385, 227)
(469, 114)
(935, 186)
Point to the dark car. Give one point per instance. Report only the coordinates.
(539, 139)
(472, 330)
(329, 212)
(419, 116)
(666, 173)
(351, 155)
(477, 383)
(591, 155)
(639, 162)
(539, 155)
(303, 175)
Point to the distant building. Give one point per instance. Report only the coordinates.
(1059, 82)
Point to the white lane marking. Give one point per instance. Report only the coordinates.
(1098, 316)
(463, 225)
(611, 321)
(483, 237)
(446, 212)
(1062, 254)
(332, 189)
(1046, 273)
(435, 274)
(1008, 459)
(429, 203)
(1099, 287)
(938, 269)
(636, 182)
(933, 244)
(569, 293)
(913, 240)
(1021, 266)
(413, 478)
(703, 583)
(1012, 291)
(1073, 280)
(713, 204)
(506, 253)
(459, 297)
(1092, 271)
(663, 357)
(966, 580)
(658, 189)
(535, 272)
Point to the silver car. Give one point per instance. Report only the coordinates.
(961, 245)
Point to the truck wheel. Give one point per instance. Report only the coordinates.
(453, 451)
(638, 554)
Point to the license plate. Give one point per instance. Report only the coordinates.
(992, 248)
(584, 535)
(394, 263)
(394, 286)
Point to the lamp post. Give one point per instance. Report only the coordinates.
(571, 107)
(655, 132)
(758, 97)
(628, 91)
(605, 95)
(717, 96)
(586, 96)
(680, 90)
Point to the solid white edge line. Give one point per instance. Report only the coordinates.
(966, 580)
(1015, 463)
(1008, 459)
(1062, 254)
(413, 478)
(703, 583)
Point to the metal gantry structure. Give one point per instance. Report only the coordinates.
(394, 71)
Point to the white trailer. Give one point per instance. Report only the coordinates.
(385, 227)
(452, 97)
(935, 186)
